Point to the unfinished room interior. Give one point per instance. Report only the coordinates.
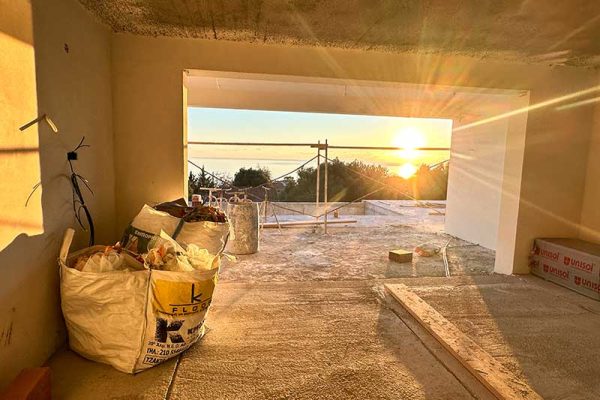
(299, 199)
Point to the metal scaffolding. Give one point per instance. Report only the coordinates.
(320, 147)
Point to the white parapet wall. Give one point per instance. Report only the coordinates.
(378, 207)
(308, 208)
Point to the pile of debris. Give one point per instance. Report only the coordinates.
(143, 300)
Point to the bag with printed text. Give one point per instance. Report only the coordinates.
(206, 227)
(135, 311)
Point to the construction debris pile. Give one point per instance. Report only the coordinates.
(151, 290)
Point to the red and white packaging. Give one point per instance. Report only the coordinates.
(572, 263)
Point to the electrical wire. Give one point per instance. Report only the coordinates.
(77, 195)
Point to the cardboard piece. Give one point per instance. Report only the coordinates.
(572, 263)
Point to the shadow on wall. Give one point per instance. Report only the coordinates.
(38, 76)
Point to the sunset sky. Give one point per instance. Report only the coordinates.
(208, 124)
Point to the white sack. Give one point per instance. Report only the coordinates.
(208, 235)
(132, 320)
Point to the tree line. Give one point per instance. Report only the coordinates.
(347, 181)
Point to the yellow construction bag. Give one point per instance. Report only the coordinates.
(135, 317)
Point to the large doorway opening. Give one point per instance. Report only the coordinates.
(392, 193)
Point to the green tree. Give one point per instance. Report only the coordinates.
(248, 177)
(203, 179)
(348, 181)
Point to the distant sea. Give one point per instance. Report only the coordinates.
(230, 166)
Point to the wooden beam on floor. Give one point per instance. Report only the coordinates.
(305, 223)
(30, 384)
(500, 381)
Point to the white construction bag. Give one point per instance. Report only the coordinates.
(149, 222)
(136, 318)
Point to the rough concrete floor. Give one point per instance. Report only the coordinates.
(296, 340)
(307, 318)
(355, 251)
(544, 333)
(301, 319)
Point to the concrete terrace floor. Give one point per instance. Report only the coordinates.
(307, 318)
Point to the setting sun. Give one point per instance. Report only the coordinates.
(410, 138)
(407, 170)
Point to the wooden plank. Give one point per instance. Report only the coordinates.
(501, 382)
(30, 384)
(305, 223)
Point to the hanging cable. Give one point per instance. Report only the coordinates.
(77, 195)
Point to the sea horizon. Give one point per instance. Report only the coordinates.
(277, 167)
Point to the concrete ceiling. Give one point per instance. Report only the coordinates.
(545, 31)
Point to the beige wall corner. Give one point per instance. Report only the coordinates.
(590, 213)
(73, 88)
(554, 166)
(184, 105)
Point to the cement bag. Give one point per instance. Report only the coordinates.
(135, 318)
(208, 235)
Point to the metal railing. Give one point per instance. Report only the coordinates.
(321, 147)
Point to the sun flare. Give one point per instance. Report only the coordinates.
(410, 138)
(406, 170)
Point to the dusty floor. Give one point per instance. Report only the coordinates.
(355, 251)
(300, 319)
(307, 318)
(542, 332)
(297, 340)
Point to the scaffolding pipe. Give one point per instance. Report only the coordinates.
(390, 148)
(323, 146)
(266, 205)
(254, 144)
(318, 179)
(326, 186)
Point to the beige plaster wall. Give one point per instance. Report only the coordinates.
(590, 213)
(74, 89)
(554, 169)
(148, 118)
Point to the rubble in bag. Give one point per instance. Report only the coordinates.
(180, 209)
(167, 255)
(427, 250)
(136, 320)
(101, 259)
(205, 227)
